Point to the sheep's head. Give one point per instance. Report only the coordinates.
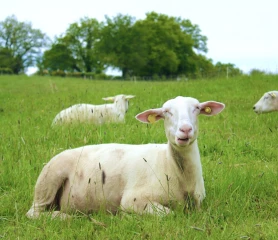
(180, 118)
(267, 103)
(120, 101)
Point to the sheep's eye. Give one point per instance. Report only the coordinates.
(169, 113)
(266, 97)
(197, 109)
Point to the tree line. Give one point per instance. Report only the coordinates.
(158, 45)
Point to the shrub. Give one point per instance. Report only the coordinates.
(6, 71)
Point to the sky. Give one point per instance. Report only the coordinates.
(241, 32)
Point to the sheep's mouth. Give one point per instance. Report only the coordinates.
(257, 111)
(183, 141)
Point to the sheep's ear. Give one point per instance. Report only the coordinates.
(129, 96)
(150, 116)
(272, 94)
(109, 99)
(211, 108)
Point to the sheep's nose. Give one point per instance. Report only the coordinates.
(254, 107)
(186, 129)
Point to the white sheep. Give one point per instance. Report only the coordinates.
(147, 178)
(98, 114)
(267, 103)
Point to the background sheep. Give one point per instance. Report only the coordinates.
(98, 114)
(267, 103)
(147, 178)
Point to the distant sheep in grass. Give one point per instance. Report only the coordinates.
(97, 114)
(146, 178)
(267, 103)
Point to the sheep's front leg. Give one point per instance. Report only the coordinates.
(156, 209)
(199, 196)
(144, 206)
(36, 211)
(194, 199)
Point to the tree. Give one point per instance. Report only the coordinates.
(118, 42)
(59, 57)
(156, 45)
(203, 68)
(7, 60)
(22, 41)
(81, 40)
(169, 49)
(200, 41)
(158, 35)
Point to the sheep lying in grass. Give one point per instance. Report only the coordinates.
(98, 114)
(267, 103)
(147, 178)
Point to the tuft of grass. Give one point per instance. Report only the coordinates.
(238, 151)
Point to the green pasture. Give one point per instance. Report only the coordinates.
(239, 152)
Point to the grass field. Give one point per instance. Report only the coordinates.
(239, 152)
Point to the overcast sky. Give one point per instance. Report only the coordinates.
(242, 32)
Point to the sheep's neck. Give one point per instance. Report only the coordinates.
(182, 156)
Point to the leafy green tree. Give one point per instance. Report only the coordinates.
(169, 49)
(157, 35)
(118, 42)
(205, 67)
(22, 41)
(157, 45)
(59, 57)
(193, 30)
(7, 60)
(81, 40)
(202, 67)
